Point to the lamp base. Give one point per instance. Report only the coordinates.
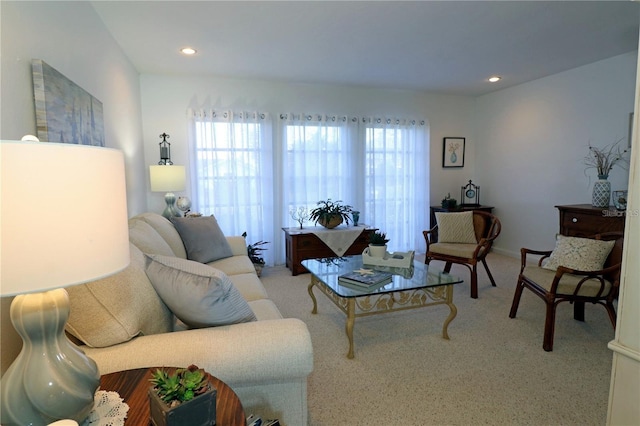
(51, 379)
(170, 210)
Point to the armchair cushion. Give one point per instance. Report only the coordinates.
(456, 227)
(568, 282)
(199, 295)
(203, 239)
(582, 254)
(454, 249)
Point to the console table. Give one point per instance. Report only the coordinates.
(584, 220)
(457, 209)
(301, 244)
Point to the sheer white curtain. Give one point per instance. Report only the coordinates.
(319, 154)
(232, 172)
(396, 187)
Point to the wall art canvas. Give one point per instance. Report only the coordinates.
(65, 112)
(453, 152)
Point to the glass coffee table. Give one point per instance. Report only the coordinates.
(414, 287)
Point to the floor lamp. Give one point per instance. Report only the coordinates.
(63, 219)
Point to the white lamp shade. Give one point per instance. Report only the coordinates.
(63, 215)
(167, 178)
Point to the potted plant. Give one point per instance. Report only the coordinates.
(330, 213)
(254, 251)
(184, 397)
(603, 160)
(378, 244)
(448, 202)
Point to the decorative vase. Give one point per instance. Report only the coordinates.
(200, 411)
(330, 222)
(377, 251)
(356, 217)
(601, 192)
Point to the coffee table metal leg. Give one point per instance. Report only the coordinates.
(351, 319)
(313, 297)
(452, 314)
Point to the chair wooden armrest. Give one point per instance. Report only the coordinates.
(525, 251)
(428, 236)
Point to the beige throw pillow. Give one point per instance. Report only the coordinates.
(456, 227)
(199, 295)
(583, 254)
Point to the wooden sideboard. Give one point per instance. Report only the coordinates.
(305, 245)
(584, 220)
(457, 209)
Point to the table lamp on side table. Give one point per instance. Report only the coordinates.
(168, 178)
(63, 221)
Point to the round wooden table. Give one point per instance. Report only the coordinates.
(133, 385)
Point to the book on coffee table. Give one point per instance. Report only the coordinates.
(366, 278)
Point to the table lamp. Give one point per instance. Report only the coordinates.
(63, 221)
(168, 178)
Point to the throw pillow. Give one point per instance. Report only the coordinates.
(199, 295)
(117, 308)
(583, 254)
(456, 227)
(203, 239)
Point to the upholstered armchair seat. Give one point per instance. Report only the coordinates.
(567, 285)
(462, 250)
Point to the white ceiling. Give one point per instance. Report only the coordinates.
(439, 46)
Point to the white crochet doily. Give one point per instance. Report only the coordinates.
(108, 410)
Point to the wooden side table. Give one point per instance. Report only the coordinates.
(301, 245)
(133, 385)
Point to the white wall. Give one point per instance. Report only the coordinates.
(70, 37)
(533, 138)
(165, 100)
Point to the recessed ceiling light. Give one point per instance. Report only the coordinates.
(494, 79)
(188, 51)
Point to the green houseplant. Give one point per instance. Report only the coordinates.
(330, 213)
(183, 397)
(378, 244)
(254, 251)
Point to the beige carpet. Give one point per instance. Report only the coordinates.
(493, 371)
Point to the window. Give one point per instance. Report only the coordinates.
(379, 166)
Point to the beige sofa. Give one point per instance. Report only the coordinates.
(122, 323)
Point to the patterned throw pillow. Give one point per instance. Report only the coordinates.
(583, 254)
(199, 295)
(456, 228)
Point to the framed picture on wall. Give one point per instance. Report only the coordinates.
(65, 112)
(453, 152)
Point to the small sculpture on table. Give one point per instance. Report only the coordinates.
(300, 215)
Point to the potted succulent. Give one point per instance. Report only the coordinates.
(254, 251)
(184, 397)
(378, 244)
(330, 213)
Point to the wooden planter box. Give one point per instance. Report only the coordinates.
(200, 411)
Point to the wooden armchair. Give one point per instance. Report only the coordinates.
(571, 285)
(486, 228)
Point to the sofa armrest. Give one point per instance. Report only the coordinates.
(238, 245)
(247, 353)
